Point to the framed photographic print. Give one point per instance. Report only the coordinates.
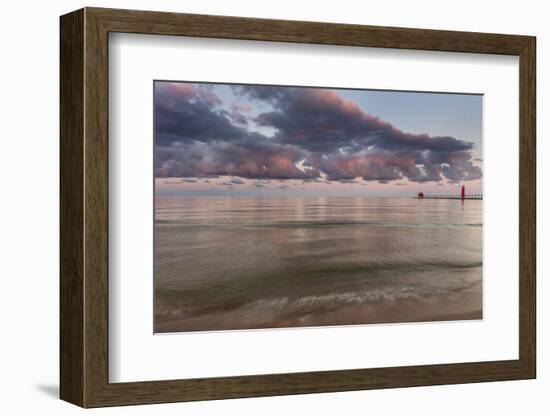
(260, 207)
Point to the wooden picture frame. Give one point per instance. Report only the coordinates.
(84, 207)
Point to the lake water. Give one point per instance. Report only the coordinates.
(237, 262)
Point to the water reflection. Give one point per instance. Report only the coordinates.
(226, 262)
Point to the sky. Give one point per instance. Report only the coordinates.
(261, 140)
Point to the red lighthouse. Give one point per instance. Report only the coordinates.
(462, 192)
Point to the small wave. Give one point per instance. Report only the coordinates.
(305, 224)
(358, 270)
(330, 302)
(288, 307)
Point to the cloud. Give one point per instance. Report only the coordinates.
(347, 181)
(317, 135)
(236, 114)
(283, 187)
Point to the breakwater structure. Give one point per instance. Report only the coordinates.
(462, 196)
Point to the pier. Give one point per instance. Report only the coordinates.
(471, 196)
(462, 196)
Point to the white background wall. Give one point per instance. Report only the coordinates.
(29, 206)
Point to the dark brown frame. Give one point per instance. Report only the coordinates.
(84, 208)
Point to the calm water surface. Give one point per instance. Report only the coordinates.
(239, 262)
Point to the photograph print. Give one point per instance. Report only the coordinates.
(288, 206)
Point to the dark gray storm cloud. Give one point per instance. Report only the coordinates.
(316, 133)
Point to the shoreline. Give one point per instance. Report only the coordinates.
(454, 307)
